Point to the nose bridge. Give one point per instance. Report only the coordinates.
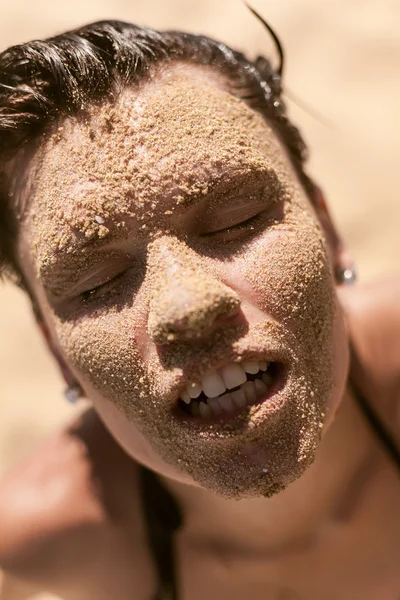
(186, 297)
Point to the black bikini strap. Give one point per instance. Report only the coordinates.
(371, 416)
(163, 519)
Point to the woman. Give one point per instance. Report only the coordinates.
(189, 281)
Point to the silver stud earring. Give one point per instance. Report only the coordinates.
(73, 393)
(347, 276)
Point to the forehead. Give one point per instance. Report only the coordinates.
(151, 150)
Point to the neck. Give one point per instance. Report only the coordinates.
(269, 525)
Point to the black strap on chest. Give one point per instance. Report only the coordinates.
(163, 519)
(382, 434)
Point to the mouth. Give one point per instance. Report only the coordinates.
(226, 392)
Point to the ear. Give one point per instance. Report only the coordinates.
(341, 257)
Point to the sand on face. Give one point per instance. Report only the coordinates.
(342, 59)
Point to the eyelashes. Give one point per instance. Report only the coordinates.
(244, 228)
(102, 291)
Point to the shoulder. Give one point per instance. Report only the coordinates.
(373, 313)
(61, 506)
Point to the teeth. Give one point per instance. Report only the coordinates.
(194, 406)
(261, 388)
(267, 379)
(213, 385)
(194, 390)
(233, 375)
(205, 410)
(250, 367)
(239, 398)
(250, 390)
(186, 397)
(214, 405)
(226, 403)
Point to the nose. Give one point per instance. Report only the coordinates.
(187, 301)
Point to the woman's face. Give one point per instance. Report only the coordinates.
(171, 249)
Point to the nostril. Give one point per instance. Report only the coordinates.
(236, 317)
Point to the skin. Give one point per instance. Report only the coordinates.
(248, 547)
(232, 282)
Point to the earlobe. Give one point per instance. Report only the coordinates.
(342, 260)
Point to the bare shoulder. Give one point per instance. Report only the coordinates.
(373, 312)
(71, 508)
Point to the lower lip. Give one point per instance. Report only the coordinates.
(274, 399)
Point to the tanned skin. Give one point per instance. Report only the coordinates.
(71, 520)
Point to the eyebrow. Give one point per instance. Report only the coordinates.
(229, 181)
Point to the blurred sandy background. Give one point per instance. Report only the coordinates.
(343, 59)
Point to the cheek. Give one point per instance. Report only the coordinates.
(289, 277)
(109, 351)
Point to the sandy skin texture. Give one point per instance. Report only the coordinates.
(139, 193)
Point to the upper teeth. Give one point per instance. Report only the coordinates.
(230, 376)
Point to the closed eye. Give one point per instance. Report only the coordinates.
(260, 217)
(101, 291)
(241, 226)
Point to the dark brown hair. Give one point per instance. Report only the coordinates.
(43, 81)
